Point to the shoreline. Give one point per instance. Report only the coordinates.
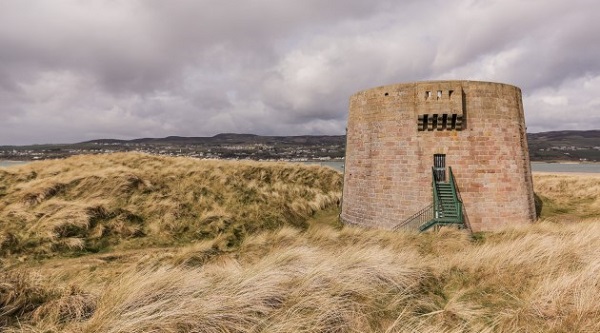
(543, 168)
(567, 162)
(565, 173)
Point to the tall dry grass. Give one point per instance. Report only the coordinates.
(31, 298)
(302, 277)
(542, 278)
(89, 203)
(568, 197)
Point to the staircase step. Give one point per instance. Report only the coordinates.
(446, 205)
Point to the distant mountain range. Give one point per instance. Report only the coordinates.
(544, 146)
(555, 145)
(565, 145)
(232, 138)
(590, 137)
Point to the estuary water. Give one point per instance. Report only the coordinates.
(535, 166)
(566, 167)
(4, 164)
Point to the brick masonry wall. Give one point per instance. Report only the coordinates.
(389, 160)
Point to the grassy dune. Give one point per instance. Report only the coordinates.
(302, 273)
(569, 197)
(95, 203)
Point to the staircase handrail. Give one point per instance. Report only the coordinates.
(456, 194)
(417, 219)
(434, 214)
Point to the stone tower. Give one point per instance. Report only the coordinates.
(397, 133)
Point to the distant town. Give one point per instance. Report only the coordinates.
(222, 146)
(578, 146)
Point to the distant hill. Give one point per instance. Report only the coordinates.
(574, 138)
(565, 145)
(233, 138)
(543, 146)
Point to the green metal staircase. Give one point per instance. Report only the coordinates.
(446, 209)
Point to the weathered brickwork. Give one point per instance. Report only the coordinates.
(394, 131)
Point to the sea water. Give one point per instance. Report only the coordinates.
(535, 166)
(11, 163)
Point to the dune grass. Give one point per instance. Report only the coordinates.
(308, 276)
(93, 203)
(542, 278)
(568, 197)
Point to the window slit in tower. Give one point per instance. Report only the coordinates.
(439, 94)
(425, 122)
(444, 121)
(453, 122)
(450, 93)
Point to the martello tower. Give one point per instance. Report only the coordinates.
(434, 153)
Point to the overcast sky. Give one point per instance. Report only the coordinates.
(73, 70)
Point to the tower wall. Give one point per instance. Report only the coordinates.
(394, 131)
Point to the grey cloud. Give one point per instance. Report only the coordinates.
(75, 70)
(572, 105)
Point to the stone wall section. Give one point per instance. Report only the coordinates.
(389, 154)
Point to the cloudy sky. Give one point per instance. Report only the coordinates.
(74, 70)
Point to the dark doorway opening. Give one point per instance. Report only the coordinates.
(439, 167)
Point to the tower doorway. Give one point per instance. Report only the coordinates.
(439, 167)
